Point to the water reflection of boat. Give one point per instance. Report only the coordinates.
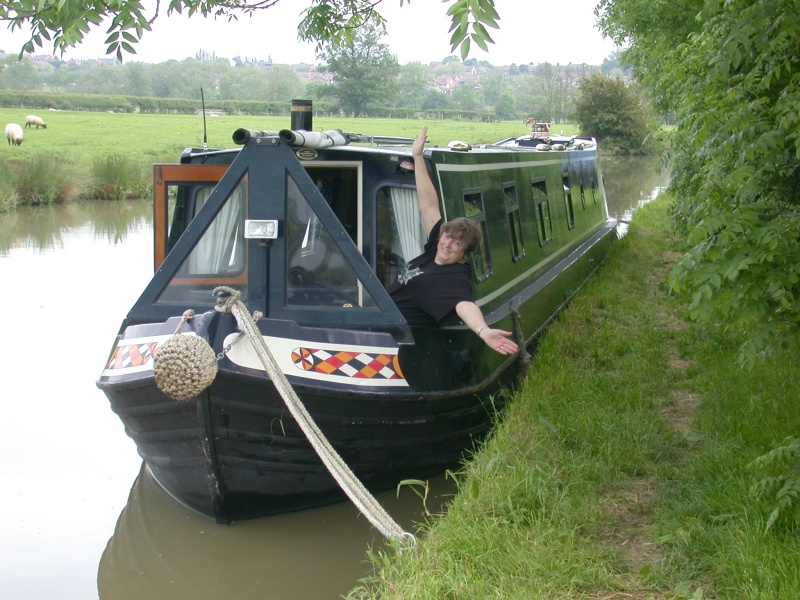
(161, 550)
(311, 233)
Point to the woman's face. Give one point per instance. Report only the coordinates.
(449, 250)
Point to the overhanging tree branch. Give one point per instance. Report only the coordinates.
(65, 23)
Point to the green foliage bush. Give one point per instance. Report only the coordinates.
(728, 73)
(128, 104)
(612, 111)
(45, 100)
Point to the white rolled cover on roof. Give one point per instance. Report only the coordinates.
(314, 139)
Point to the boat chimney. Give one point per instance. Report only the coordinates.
(301, 115)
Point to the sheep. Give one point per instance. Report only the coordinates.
(14, 134)
(34, 120)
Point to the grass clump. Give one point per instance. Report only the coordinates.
(47, 178)
(9, 198)
(116, 177)
(622, 465)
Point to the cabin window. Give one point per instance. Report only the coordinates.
(339, 187)
(221, 249)
(544, 226)
(401, 235)
(513, 222)
(583, 197)
(481, 258)
(317, 273)
(568, 200)
(219, 256)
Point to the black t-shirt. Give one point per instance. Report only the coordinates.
(427, 293)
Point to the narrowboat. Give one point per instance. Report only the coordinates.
(310, 228)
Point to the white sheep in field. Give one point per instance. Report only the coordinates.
(14, 134)
(34, 120)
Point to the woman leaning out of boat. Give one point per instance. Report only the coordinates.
(435, 288)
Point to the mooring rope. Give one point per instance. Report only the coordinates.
(229, 301)
(524, 358)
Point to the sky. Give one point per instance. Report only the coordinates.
(417, 31)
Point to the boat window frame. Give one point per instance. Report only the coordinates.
(313, 230)
(566, 188)
(583, 196)
(358, 168)
(165, 176)
(482, 251)
(544, 224)
(516, 237)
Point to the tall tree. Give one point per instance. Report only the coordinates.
(551, 85)
(283, 84)
(497, 94)
(243, 83)
(729, 73)
(19, 75)
(137, 79)
(530, 100)
(414, 79)
(466, 98)
(364, 72)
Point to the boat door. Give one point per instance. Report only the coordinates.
(340, 185)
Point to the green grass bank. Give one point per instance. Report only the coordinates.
(621, 467)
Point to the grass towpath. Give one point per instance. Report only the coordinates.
(620, 467)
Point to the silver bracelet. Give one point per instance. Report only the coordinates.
(481, 329)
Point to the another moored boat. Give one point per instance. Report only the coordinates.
(311, 228)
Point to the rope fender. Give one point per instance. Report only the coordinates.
(184, 365)
(229, 301)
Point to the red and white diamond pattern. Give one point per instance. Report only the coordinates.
(357, 365)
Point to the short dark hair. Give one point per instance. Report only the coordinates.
(465, 231)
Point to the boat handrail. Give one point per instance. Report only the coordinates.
(378, 139)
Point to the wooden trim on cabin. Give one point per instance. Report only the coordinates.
(165, 175)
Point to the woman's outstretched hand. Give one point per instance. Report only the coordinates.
(499, 341)
(419, 142)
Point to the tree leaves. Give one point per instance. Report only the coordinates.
(323, 22)
(469, 21)
(612, 111)
(784, 487)
(727, 73)
(364, 71)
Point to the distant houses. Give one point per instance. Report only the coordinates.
(445, 83)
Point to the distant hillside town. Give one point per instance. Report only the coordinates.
(508, 91)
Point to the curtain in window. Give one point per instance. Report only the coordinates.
(409, 221)
(219, 251)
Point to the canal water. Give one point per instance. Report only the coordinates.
(80, 518)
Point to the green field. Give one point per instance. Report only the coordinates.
(110, 155)
(154, 138)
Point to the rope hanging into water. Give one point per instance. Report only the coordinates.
(229, 301)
